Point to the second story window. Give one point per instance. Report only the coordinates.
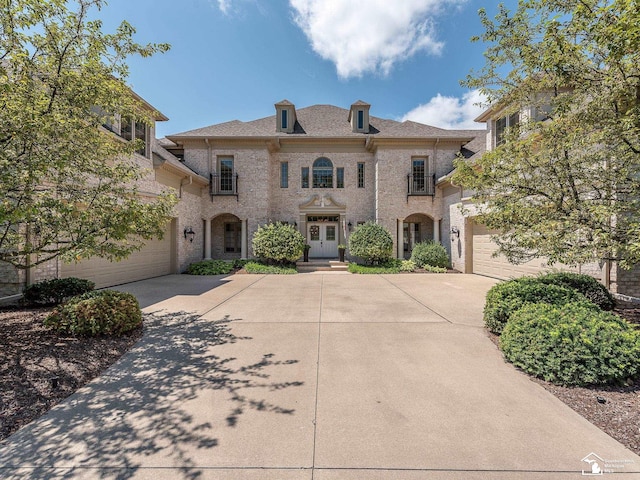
(322, 173)
(418, 172)
(361, 175)
(284, 174)
(225, 172)
(340, 177)
(503, 123)
(305, 177)
(141, 134)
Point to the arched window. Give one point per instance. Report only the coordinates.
(322, 173)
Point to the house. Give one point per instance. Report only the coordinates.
(472, 248)
(324, 169)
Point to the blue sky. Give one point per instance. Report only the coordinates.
(233, 59)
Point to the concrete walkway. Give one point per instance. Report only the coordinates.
(312, 377)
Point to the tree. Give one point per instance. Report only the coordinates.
(67, 185)
(565, 183)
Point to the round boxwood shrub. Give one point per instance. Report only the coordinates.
(56, 291)
(506, 298)
(572, 344)
(585, 284)
(430, 253)
(104, 312)
(372, 243)
(278, 243)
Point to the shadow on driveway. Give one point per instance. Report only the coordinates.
(137, 408)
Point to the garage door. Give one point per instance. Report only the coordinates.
(155, 259)
(499, 267)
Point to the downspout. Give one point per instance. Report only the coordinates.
(183, 184)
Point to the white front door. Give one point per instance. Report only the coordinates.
(323, 238)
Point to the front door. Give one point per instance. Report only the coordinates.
(323, 238)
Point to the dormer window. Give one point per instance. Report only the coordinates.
(359, 117)
(285, 116)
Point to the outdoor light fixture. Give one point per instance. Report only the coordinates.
(189, 231)
(455, 231)
(350, 225)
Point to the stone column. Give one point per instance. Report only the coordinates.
(436, 230)
(243, 240)
(207, 239)
(400, 239)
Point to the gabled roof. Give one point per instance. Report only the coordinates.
(323, 121)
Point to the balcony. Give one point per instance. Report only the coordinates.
(223, 184)
(421, 185)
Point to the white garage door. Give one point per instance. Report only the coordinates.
(155, 259)
(499, 267)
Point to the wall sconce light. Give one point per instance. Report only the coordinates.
(295, 224)
(455, 232)
(350, 225)
(189, 232)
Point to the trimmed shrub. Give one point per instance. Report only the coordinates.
(210, 267)
(104, 312)
(56, 291)
(372, 243)
(407, 266)
(278, 243)
(390, 266)
(255, 267)
(585, 284)
(506, 298)
(572, 344)
(430, 253)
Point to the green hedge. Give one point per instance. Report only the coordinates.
(210, 267)
(572, 344)
(56, 291)
(278, 243)
(585, 284)
(104, 312)
(431, 254)
(505, 298)
(372, 243)
(256, 267)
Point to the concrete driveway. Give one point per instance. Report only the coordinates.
(313, 377)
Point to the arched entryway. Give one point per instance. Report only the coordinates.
(417, 228)
(227, 237)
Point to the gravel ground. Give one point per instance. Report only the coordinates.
(31, 356)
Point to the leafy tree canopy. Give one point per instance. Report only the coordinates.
(565, 183)
(67, 185)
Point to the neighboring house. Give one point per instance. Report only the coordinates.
(472, 248)
(325, 170)
(172, 254)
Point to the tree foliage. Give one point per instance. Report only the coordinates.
(67, 186)
(565, 183)
(371, 242)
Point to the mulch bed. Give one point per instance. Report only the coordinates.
(39, 368)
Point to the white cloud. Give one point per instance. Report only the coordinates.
(372, 36)
(450, 112)
(224, 6)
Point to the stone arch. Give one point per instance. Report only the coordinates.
(227, 236)
(418, 227)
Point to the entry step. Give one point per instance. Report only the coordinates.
(322, 265)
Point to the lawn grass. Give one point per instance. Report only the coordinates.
(390, 267)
